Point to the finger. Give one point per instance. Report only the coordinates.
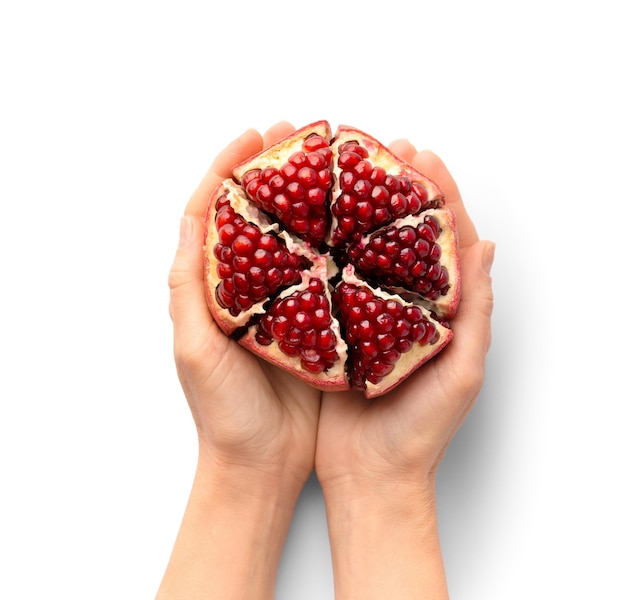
(403, 149)
(188, 309)
(237, 151)
(472, 323)
(432, 166)
(277, 132)
(472, 327)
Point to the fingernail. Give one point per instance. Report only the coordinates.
(488, 256)
(185, 232)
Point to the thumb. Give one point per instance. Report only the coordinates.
(187, 307)
(472, 323)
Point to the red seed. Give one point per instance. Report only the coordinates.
(307, 177)
(243, 246)
(326, 339)
(227, 234)
(298, 159)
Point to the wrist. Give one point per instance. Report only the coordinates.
(232, 534)
(384, 541)
(243, 480)
(358, 501)
(367, 487)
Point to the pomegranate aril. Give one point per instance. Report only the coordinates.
(316, 197)
(295, 191)
(380, 195)
(240, 281)
(268, 243)
(249, 178)
(227, 234)
(326, 340)
(224, 298)
(288, 349)
(300, 210)
(243, 246)
(364, 211)
(314, 367)
(288, 171)
(325, 178)
(377, 369)
(309, 338)
(308, 176)
(277, 183)
(378, 176)
(385, 341)
(426, 232)
(243, 302)
(242, 264)
(347, 179)
(224, 270)
(263, 339)
(348, 160)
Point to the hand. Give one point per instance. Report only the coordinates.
(247, 412)
(256, 429)
(377, 460)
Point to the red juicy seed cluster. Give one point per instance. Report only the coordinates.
(301, 324)
(369, 196)
(297, 192)
(406, 256)
(379, 330)
(252, 265)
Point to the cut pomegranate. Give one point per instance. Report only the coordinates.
(416, 257)
(385, 334)
(334, 259)
(293, 183)
(373, 187)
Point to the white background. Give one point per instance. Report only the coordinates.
(110, 114)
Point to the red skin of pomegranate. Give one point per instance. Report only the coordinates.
(261, 248)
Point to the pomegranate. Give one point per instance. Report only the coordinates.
(336, 260)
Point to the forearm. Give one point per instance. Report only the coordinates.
(231, 537)
(385, 544)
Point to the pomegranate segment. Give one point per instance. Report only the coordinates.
(277, 233)
(301, 324)
(293, 184)
(373, 187)
(414, 255)
(299, 333)
(380, 329)
(252, 265)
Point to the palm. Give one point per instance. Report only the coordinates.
(242, 405)
(405, 429)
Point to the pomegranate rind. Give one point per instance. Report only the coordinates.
(409, 361)
(277, 154)
(332, 379)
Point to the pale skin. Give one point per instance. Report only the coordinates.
(261, 432)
